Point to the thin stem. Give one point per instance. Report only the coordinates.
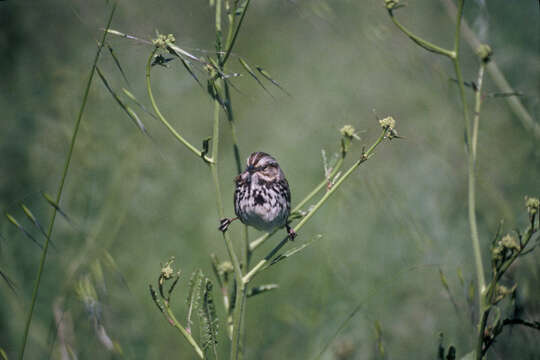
(174, 322)
(238, 308)
(230, 41)
(218, 30)
(477, 109)
(497, 76)
(61, 187)
(238, 317)
(471, 165)
(421, 42)
(249, 276)
(162, 118)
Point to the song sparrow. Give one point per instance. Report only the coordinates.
(262, 198)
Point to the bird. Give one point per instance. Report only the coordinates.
(262, 198)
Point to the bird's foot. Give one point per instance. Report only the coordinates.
(224, 224)
(291, 232)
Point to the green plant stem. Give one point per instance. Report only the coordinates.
(418, 40)
(174, 322)
(61, 187)
(162, 118)
(484, 302)
(232, 39)
(259, 241)
(477, 109)
(249, 276)
(237, 316)
(497, 76)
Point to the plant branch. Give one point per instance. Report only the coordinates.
(174, 322)
(162, 118)
(61, 186)
(418, 40)
(497, 76)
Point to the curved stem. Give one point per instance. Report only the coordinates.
(61, 187)
(162, 118)
(421, 42)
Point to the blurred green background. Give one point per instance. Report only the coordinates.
(385, 234)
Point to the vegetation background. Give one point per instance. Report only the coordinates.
(385, 234)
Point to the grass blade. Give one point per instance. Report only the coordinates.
(24, 231)
(208, 317)
(294, 250)
(117, 62)
(61, 187)
(193, 298)
(55, 206)
(269, 78)
(253, 75)
(132, 115)
(34, 220)
(9, 282)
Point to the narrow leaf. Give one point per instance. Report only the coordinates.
(117, 62)
(34, 220)
(208, 317)
(19, 226)
(138, 103)
(294, 250)
(132, 115)
(269, 78)
(127, 36)
(190, 71)
(55, 205)
(252, 73)
(9, 282)
(192, 301)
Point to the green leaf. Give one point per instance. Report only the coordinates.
(117, 62)
(36, 223)
(208, 317)
(9, 282)
(130, 113)
(269, 78)
(193, 297)
(253, 75)
(55, 205)
(22, 229)
(294, 250)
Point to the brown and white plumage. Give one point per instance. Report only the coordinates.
(262, 198)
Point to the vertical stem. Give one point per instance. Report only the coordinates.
(483, 301)
(471, 164)
(61, 187)
(240, 288)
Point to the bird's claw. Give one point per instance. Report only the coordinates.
(291, 232)
(224, 224)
